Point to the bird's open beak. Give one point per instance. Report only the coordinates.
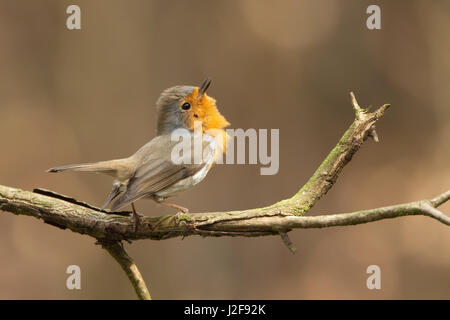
(203, 87)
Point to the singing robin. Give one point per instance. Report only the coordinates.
(151, 171)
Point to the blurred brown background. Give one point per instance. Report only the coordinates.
(81, 96)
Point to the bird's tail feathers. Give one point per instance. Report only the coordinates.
(102, 166)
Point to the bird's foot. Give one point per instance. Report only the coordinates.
(181, 211)
(184, 219)
(182, 215)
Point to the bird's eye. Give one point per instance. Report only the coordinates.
(186, 106)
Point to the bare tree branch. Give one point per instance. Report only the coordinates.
(109, 228)
(253, 222)
(117, 251)
(287, 241)
(440, 199)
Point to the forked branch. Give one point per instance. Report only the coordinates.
(110, 228)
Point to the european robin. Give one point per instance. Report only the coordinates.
(150, 172)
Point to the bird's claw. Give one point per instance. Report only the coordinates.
(180, 213)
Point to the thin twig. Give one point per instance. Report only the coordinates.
(284, 236)
(440, 199)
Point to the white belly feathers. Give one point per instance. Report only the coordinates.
(186, 183)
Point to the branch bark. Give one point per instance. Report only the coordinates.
(109, 228)
(270, 220)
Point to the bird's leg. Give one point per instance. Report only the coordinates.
(135, 216)
(180, 209)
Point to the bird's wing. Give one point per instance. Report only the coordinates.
(155, 170)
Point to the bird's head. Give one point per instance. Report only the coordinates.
(181, 106)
